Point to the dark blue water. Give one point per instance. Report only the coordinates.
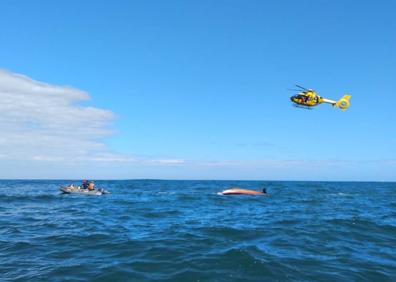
(183, 231)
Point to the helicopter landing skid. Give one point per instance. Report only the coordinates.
(303, 107)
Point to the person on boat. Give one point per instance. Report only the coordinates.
(264, 191)
(91, 186)
(85, 184)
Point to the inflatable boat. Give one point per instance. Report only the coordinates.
(78, 190)
(239, 191)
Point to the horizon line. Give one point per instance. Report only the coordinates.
(171, 179)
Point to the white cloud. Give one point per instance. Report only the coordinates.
(167, 161)
(39, 121)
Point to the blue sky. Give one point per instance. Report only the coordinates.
(199, 88)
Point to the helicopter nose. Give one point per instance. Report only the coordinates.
(292, 98)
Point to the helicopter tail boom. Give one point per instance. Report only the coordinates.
(328, 101)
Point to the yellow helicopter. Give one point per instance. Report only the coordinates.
(307, 98)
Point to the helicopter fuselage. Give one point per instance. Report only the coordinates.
(307, 98)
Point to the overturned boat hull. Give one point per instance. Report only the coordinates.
(238, 191)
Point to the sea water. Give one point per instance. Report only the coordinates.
(152, 230)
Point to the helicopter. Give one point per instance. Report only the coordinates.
(307, 98)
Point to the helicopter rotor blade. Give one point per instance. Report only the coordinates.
(301, 87)
(294, 90)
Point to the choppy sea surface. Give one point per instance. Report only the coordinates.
(152, 230)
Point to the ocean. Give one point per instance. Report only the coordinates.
(157, 230)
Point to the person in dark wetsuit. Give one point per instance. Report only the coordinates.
(85, 184)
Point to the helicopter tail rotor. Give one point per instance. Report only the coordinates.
(343, 103)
